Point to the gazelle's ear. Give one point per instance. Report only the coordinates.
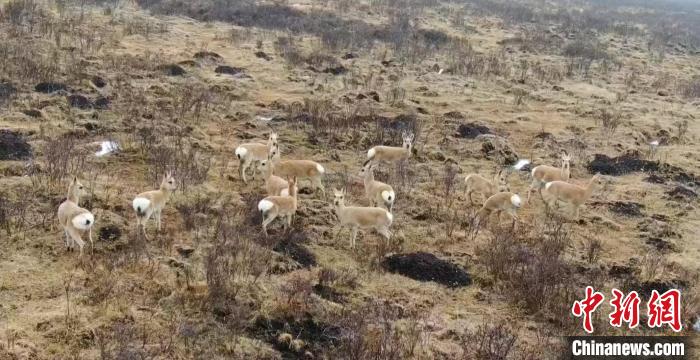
(75, 179)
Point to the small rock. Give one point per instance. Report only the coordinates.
(263, 55)
(172, 70)
(662, 93)
(79, 101)
(49, 87)
(32, 113)
(229, 70)
(98, 81)
(13, 146)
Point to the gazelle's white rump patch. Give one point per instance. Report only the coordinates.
(141, 204)
(320, 168)
(515, 200)
(547, 185)
(389, 216)
(521, 163)
(370, 153)
(107, 147)
(388, 195)
(241, 151)
(265, 205)
(83, 221)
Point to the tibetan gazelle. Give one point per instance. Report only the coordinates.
(273, 207)
(476, 183)
(254, 152)
(361, 217)
(543, 174)
(499, 203)
(392, 153)
(378, 193)
(152, 202)
(300, 169)
(573, 195)
(74, 219)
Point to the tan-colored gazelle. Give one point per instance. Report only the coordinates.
(499, 203)
(392, 153)
(300, 169)
(476, 183)
(273, 207)
(573, 195)
(361, 217)
(254, 152)
(74, 219)
(543, 174)
(378, 193)
(274, 185)
(152, 202)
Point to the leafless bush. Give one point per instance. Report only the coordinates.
(497, 341)
(691, 88)
(191, 208)
(62, 159)
(592, 247)
(188, 165)
(449, 182)
(298, 288)
(379, 330)
(610, 121)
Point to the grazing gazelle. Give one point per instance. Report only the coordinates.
(254, 152)
(392, 153)
(274, 185)
(571, 194)
(507, 202)
(543, 174)
(378, 193)
(361, 217)
(300, 169)
(152, 203)
(74, 219)
(476, 183)
(273, 207)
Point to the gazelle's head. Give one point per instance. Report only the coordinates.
(367, 169)
(76, 189)
(274, 154)
(266, 164)
(407, 140)
(272, 140)
(565, 160)
(292, 189)
(168, 182)
(502, 180)
(339, 199)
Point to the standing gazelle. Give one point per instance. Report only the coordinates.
(75, 219)
(301, 169)
(361, 217)
(274, 185)
(378, 193)
(571, 194)
(507, 202)
(476, 183)
(392, 153)
(273, 207)
(543, 174)
(254, 152)
(152, 203)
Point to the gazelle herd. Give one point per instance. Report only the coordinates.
(281, 185)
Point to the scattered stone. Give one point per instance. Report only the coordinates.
(6, 91)
(229, 70)
(98, 81)
(49, 87)
(662, 93)
(472, 130)
(660, 244)
(349, 56)
(423, 266)
(172, 70)
(79, 101)
(263, 55)
(455, 115)
(13, 146)
(336, 70)
(655, 179)
(102, 103)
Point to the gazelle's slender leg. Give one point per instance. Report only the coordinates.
(354, 235)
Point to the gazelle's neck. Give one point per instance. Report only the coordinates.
(73, 195)
(164, 189)
(267, 174)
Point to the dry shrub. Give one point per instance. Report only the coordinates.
(497, 341)
(379, 330)
(188, 165)
(691, 88)
(62, 158)
(610, 121)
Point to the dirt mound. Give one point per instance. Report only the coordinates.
(32, 113)
(316, 335)
(102, 103)
(655, 179)
(423, 266)
(172, 70)
(292, 246)
(630, 162)
(682, 193)
(13, 146)
(631, 209)
(263, 55)
(49, 87)
(229, 70)
(207, 55)
(472, 130)
(79, 101)
(329, 293)
(500, 150)
(336, 70)
(109, 233)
